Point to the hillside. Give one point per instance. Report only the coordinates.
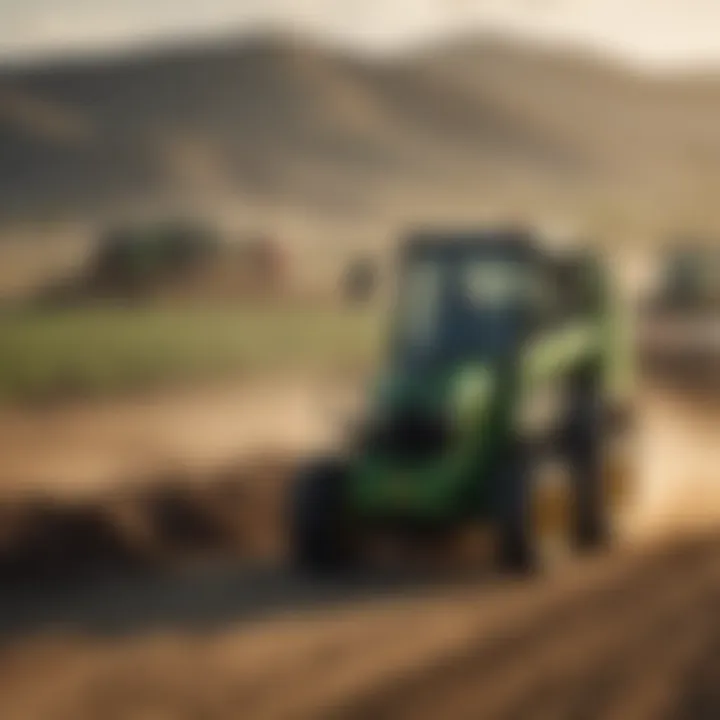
(626, 125)
(282, 121)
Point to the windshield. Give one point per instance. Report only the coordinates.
(450, 310)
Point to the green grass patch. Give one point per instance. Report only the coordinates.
(100, 350)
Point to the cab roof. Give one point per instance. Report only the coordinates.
(513, 242)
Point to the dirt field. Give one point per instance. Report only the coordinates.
(633, 635)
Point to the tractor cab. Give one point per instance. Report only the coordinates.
(465, 298)
(477, 297)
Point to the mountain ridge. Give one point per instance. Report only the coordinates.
(289, 121)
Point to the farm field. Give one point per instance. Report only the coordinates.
(97, 350)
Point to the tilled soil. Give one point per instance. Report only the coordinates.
(625, 648)
(634, 634)
(152, 525)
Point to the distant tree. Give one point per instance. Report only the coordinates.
(132, 258)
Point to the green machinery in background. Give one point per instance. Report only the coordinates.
(680, 336)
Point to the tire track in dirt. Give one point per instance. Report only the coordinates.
(542, 678)
(496, 676)
(610, 678)
(368, 654)
(700, 698)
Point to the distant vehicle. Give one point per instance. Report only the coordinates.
(494, 410)
(680, 329)
(180, 259)
(134, 257)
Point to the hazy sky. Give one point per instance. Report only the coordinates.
(651, 31)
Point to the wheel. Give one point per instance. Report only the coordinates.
(533, 514)
(589, 445)
(320, 535)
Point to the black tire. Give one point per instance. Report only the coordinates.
(320, 534)
(516, 551)
(588, 443)
(534, 519)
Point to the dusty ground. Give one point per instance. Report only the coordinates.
(633, 635)
(86, 446)
(136, 484)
